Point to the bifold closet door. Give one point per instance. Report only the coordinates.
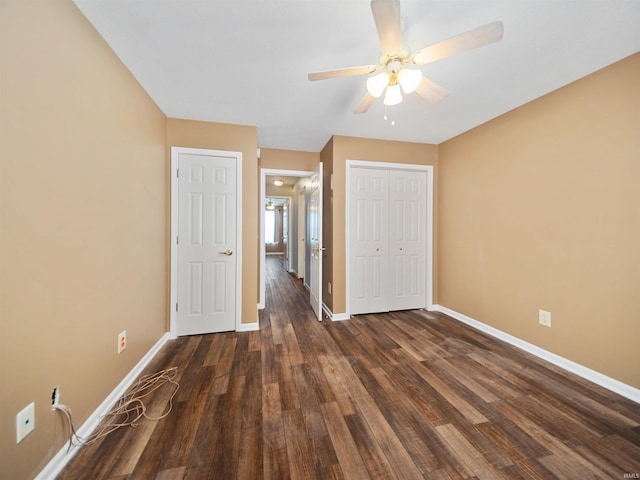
(369, 240)
(387, 232)
(407, 239)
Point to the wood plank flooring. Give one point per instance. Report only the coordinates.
(404, 395)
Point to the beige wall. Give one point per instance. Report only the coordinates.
(236, 138)
(350, 148)
(272, 190)
(539, 209)
(288, 159)
(83, 224)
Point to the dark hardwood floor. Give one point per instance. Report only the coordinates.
(401, 395)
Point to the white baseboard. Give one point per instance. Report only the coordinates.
(248, 327)
(609, 383)
(335, 317)
(60, 460)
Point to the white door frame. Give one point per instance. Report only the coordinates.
(263, 190)
(173, 296)
(429, 223)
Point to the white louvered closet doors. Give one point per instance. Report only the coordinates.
(387, 240)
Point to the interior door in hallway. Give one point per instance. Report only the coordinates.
(206, 244)
(302, 233)
(285, 236)
(315, 242)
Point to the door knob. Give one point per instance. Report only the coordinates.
(227, 253)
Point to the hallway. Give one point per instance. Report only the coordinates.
(284, 292)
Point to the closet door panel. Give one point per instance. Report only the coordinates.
(407, 239)
(369, 244)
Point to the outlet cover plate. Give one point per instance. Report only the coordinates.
(25, 422)
(544, 318)
(122, 341)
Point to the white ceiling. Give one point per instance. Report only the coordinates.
(289, 181)
(246, 62)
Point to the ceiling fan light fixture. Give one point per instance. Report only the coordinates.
(377, 83)
(409, 79)
(393, 95)
(390, 74)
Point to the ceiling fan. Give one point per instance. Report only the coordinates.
(392, 66)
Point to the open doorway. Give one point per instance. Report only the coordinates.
(277, 229)
(290, 190)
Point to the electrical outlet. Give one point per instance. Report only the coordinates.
(544, 318)
(122, 341)
(329, 288)
(25, 421)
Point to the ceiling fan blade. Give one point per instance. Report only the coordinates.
(386, 14)
(365, 103)
(430, 90)
(342, 72)
(478, 37)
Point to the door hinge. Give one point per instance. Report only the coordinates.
(177, 240)
(176, 306)
(177, 173)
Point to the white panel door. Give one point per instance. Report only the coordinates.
(369, 244)
(206, 289)
(302, 229)
(285, 237)
(315, 242)
(407, 239)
